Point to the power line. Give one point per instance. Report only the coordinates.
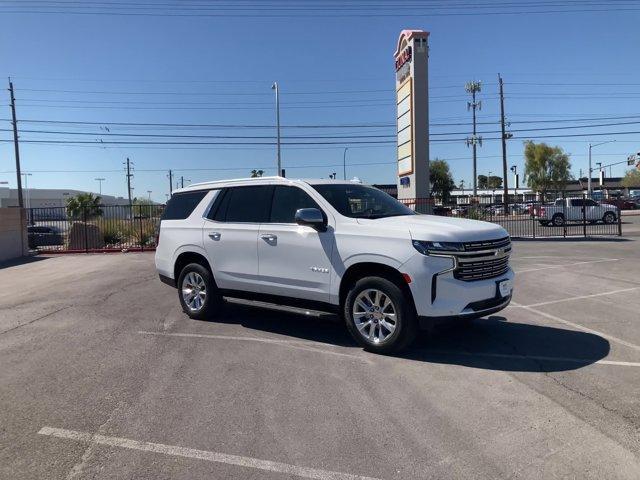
(289, 10)
(250, 137)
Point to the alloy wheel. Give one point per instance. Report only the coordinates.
(194, 291)
(374, 315)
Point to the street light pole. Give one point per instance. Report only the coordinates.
(344, 163)
(275, 87)
(99, 180)
(149, 192)
(26, 187)
(591, 169)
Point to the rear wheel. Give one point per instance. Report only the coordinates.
(558, 220)
(609, 217)
(198, 293)
(379, 315)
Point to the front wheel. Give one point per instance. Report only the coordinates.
(609, 218)
(198, 293)
(379, 315)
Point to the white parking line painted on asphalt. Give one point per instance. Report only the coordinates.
(577, 326)
(510, 356)
(216, 457)
(581, 297)
(567, 265)
(286, 343)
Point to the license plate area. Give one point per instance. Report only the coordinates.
(504, 288)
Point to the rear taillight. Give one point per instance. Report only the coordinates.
(543, 211)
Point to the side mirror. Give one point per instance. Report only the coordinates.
(311, 217)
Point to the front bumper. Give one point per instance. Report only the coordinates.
(484, 308)
(438, 295)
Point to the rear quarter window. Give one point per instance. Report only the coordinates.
(181, 205)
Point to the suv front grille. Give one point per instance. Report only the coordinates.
(487, 244)
(482, 260)
(481, 269)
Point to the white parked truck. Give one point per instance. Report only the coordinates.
(565, 210)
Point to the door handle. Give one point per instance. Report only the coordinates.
(214, 236)
(269, 237)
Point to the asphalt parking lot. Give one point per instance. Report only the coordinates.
(103, 377)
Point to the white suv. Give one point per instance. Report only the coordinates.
(332, 246)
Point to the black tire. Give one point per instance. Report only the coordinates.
(212, 303)
(557, 220)
(405, 316)
(609, 218)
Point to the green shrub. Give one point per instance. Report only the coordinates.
(476, 213)
(144, 231)
(116, 232)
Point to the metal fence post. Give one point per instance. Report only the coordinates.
(141, 229)
(584, 216)
(533, 218)
(86, 233)
(564, 212)
(619, 221)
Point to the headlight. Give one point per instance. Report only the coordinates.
(427, 248)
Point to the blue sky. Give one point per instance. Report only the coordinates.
(219, 71)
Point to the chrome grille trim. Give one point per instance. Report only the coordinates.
(487, 244)
(483, 260)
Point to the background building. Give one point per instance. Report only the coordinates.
(43, 197)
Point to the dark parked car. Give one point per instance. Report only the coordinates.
(442, 211)
(44, 237)
(621, 203)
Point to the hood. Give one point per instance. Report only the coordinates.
(443, 229)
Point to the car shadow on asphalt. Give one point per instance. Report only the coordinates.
(22, 261)
(496, 344)
(488, 343)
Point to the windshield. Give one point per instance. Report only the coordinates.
(360, 201)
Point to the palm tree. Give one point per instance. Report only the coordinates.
(84, 206)
(256, 173)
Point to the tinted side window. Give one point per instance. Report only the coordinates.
(286, 200)
(181, 205)
(219, 208)
(590, 203)
(247, 204)
(577, 203)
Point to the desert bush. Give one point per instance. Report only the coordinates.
(116, 232)
(144, 232)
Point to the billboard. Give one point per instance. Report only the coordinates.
(412, 114)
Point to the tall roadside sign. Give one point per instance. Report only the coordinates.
(412, 98)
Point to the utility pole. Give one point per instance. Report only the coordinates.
(15, 144)
(344, 163)
(473, 88)
(129, 175)
(99, 180)
(505, 135)
(170, 182)
(275, 87)
(591, 169)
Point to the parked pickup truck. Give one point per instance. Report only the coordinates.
(575, 210)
